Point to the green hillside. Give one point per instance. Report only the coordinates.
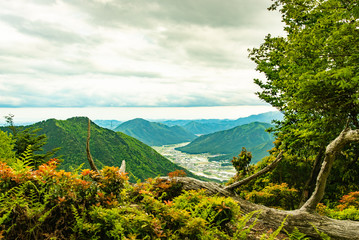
(155, 134)
(230, 142)
(108, 148)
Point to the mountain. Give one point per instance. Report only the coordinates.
(108, 148)
(155, 134)
(229, 142)
(206, 126)
(203, 128)
(267, 117)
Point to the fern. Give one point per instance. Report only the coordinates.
(242, 231)
(321, 234)
(297, 235)
(24, 162)
(273, 235)
(76, 170)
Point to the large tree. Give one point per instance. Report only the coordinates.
(312, 77)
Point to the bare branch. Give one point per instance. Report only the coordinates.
(257, 174)
(89, 157)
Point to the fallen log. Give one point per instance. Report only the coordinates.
(305, 221)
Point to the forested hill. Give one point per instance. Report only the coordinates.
(108, 148)
(155, 134)
(230, 142)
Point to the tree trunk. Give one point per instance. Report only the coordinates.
(310, 184)
(347, 135)
(272, 218)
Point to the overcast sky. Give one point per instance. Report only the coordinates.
(131, 53)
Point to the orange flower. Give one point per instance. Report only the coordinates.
(85, 172)
(168, 203)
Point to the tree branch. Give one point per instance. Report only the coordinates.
(257, 174)
(89, 157)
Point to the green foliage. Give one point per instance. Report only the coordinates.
(274, 234)
(215, 210)
(230, 142)
(275, 195)
(6, 147)
(241, 163)
(322, 235)
(278, 188)
(297, 235)
(53, 204)
(47, 203)
(28, 139)
(348, 209)
(312, 77)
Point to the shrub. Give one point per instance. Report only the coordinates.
(347, 210)
(274, 195)
(50, 204)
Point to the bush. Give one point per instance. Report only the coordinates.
(274, 195)
(52, 204)
(348, 209)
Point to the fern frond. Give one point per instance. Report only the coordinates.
(24, 162)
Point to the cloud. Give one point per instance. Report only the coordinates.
(131, 53)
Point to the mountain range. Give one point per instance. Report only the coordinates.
(206, 126)
(229, 143)
(155, 134)
(108, 148)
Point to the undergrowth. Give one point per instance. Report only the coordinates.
(47, 203)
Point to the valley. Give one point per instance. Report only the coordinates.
(196, 163)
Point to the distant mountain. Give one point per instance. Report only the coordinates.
(109, 124)
(108, 148)
(229, 143)
(155, 134)
(203, 128)
(206, 126)
(267, 117)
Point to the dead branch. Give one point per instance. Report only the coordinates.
(257, 174)
(89, 157)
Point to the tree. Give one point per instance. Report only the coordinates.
(28, 139)
(241, 163)
(312, 77)
(6, 147)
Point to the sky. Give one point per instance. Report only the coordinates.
(59, 58)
